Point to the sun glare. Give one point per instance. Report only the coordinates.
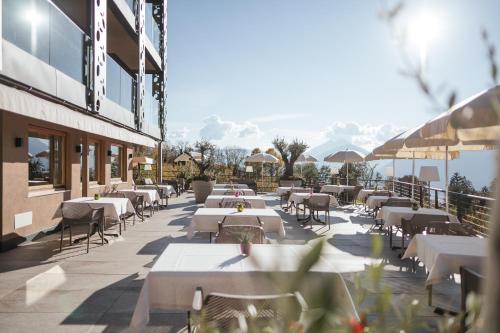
(423, 30)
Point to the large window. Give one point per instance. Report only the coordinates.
(41, 29)
(151, 104)
(120, 85)
(93, 162)
(116, 161)
(152, 27)
(45, 158)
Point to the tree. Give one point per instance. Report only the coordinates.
(325, 173)
(207, 151)
(234, 158)
(458, 186)
(310, 173)
(289, 152)
(366, 172)
(256, 151)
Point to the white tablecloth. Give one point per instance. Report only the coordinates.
(392, 215)
(443, 255)
(375, 201)
(284, 190)
(222, 191)
(181, 268)
(113, 207)
(206, 219)
(168, 189)
(149, 195)
(335, 188)
(298, 198)
(363, 194)
(228, 186)
(214, 200)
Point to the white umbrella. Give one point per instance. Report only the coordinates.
(305, 159)
(142, 160)
(345, 156)
(262, 158)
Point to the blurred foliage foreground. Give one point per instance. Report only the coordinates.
(383, 313)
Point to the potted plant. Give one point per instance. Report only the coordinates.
(414, 205)
(240, 207)
(245, 244)
(202, 184)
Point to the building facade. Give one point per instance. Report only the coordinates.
(82, 82)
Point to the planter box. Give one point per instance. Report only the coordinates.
(202, 190)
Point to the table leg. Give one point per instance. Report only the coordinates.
(429, 288)
(189, 321)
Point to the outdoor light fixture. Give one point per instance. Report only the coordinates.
(129, 155)
(18, 142)
(78, 148)
(110, 153)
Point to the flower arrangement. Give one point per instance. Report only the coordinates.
(414, 205)
(97, 196)
(240, 207)
(245, 244)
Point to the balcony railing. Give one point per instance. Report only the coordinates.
(120, 85)
(41, 29)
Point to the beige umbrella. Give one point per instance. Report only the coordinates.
(43, 154)
(345, 156)
(262, 158)
(305, 159)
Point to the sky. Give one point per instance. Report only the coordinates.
(241, 72)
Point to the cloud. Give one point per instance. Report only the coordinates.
(277, 117)
(178, 134)
(367, 136)
(215, 128)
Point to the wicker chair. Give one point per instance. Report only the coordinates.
(454, 229)
(234, 203)
(162, 195)
(316, 204)
(92, 217)
(420, 223)
(231, 234)
(138, 204)
(223, 311)
(470, 281)
(355, 193)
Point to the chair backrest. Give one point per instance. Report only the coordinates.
(397, 202)
(114, 195)
(232, 203)
(232, 234)
(471, 280)
(137, 200)
(81, 212)
(431, 224)
(356, 190)
(381, 193)
(319, 202)
(222, 311)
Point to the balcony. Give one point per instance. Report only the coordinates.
(44, 31)
(120, 85)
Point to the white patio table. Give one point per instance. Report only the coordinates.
(337, 189)
(222, 191)
(254, 200)
(298, 198)
(284, 190)
(376, 201)
(392, 215)
(168, 189)
(207, 219)
(443, 254)
(363, 194)
(181, 268)
(149, 195)
(228, 186)
(113, 207)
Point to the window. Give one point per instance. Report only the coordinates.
(41, 29)
(120, 85)
(116, 161)
(45, 158)
(93, 162)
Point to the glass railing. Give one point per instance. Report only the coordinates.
(152, 27)
(151, 104)
(131, 4)
(120, 85)
(41, 29)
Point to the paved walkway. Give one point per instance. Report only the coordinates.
(42, 290)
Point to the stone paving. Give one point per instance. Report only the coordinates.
(42, 290)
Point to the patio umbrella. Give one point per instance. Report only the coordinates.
(43, 154)
(345, 156)
(305, 159)
(262, 158)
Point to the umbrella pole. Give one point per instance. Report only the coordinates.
(446, 179)
(393, 174)
(347, 181)
(413, 176)
(262, 174)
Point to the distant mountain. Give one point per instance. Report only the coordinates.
(477, 166)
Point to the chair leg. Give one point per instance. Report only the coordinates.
(62, 236)
(124, 224)
(120, 226)
(88, 237)
(328, 216)
(70, 235)
(102, 232)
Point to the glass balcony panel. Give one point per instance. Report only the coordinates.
(113, 71)
(151, 27)
(126, 88)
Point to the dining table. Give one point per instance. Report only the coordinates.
(150, 196)
(207, 219)
(171, 283)
(336, 189)
(376, 201)
(167, 189)
(365, 193)
(228, 191)
(443, 255)
(214, 201)
(231, 186)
